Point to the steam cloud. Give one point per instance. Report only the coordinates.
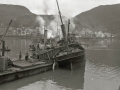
(90, 33)
(54, 26)
(41, 22)
(45, 8)
(51, 26)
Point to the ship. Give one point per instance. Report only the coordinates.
(68, 52)
(72, 52)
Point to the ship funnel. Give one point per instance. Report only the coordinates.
(45, 37)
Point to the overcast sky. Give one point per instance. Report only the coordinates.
(68, 8)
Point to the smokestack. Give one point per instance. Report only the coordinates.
(45, 37)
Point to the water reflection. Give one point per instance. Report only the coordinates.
(101, 77)
(45, 85)
(103, 67)
(59, 80)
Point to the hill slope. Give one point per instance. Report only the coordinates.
(103, 18)
(9, 12)
(21, 16)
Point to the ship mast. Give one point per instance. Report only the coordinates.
(62, 25)
(59, 12)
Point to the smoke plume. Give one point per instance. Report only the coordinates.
(54, 26)
(41, 22)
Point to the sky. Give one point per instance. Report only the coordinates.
(69, 8)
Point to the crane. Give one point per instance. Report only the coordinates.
(2, 39)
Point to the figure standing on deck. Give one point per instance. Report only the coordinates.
(38, 46)
(20, 55)
(26, 56)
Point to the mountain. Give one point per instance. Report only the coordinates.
(21, 16)
(12, 12)
(104, 18)
(33, 21)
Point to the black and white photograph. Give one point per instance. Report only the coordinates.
(59, 44)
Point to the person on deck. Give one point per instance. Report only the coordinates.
(33, 46)
(26, 56)
(20, 55)
(41, 46)
(37, 56)
(38, 48)
(29, 46)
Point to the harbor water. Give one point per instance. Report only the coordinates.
(100, 72)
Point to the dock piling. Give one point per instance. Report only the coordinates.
(71, 66)
(3, 48)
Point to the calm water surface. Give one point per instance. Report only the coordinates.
(101, 70)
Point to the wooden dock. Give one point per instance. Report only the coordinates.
(23, 69)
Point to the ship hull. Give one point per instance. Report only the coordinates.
(76, 58)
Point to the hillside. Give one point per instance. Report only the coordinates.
(103, 18)
(21, 16)
(9, 12)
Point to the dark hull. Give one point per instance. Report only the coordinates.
(75, 61)
(77, 58)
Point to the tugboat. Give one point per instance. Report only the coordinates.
(72, 52)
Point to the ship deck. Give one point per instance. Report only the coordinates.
(24, 63)
(72, 51)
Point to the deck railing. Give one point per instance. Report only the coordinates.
(49, 54)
